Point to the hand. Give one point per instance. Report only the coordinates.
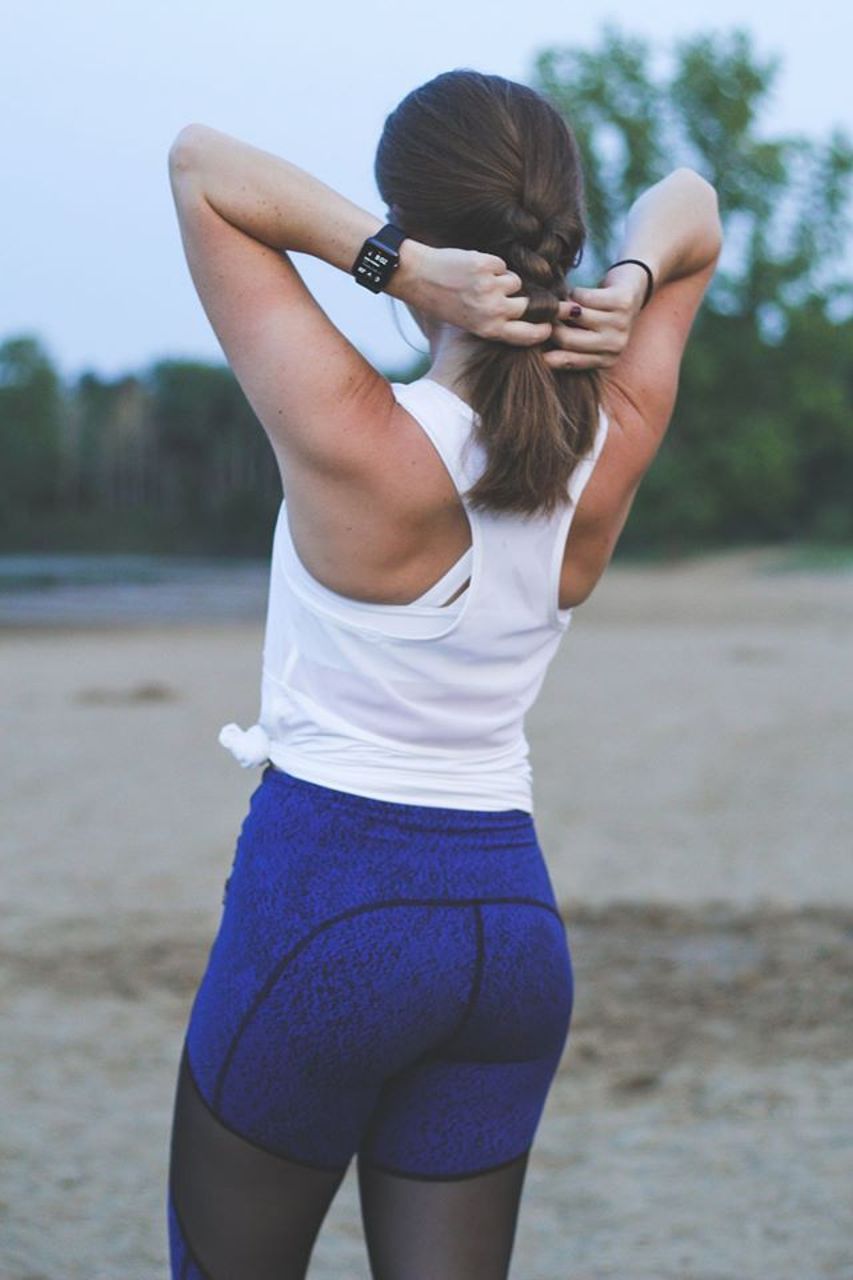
(599, 334)
(468, 289)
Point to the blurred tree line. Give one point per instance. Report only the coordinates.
(761, 443)
(172, 459)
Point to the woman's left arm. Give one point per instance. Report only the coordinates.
(240, 210)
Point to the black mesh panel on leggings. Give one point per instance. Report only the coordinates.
(441, 1229)
(244, 1213)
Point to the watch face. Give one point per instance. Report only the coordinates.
(375, 266)
(365, 273)
(379, 258)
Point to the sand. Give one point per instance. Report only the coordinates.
(691, 750)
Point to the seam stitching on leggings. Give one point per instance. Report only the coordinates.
(252, 1142)
(478, 975)
(280, 966)
(443, 1177)
(436, 1049)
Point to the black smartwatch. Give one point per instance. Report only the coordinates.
(379, 258)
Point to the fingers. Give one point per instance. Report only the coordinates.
(515, 307)
(576, 339)
(521, 333)
(502, 290)
(589, 317)
(597, 299)
(567, 306)
(509, 281)
(577, 348)
(558, 360)
(492, 262)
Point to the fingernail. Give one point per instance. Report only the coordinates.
(575, 311)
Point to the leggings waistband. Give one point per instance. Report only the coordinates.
(508, 821)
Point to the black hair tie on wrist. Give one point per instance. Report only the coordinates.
(646, 268)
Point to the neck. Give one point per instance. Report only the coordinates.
(450, 349)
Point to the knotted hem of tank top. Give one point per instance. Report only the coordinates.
(249, 747)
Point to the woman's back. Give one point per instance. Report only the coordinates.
(420, 702)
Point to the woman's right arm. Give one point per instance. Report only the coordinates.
(675, 227)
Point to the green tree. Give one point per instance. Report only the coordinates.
(30, 430)
(224, 483)
(759, 444)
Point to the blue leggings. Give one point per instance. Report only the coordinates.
(390, 981)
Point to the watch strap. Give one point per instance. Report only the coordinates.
(390, 237)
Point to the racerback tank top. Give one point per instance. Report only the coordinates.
(420, 703)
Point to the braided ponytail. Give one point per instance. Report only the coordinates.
(480, 162)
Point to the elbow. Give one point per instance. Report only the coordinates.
(186, 162)
(186, 147)
(711, 206)
(718, 238)
(686, 174)
(716, 223)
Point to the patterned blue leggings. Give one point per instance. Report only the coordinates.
(388, 981)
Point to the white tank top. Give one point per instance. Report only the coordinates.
(420, 703)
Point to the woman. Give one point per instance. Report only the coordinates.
(391, 977)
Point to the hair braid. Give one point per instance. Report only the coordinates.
(476, 161)
(541, 256)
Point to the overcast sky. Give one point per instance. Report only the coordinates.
(93, 92)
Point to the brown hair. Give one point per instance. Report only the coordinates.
(475, 161)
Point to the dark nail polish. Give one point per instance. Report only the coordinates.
(575, 311)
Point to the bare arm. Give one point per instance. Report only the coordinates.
(675, 227)
(284, 207)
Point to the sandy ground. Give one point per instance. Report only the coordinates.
(694, 799)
